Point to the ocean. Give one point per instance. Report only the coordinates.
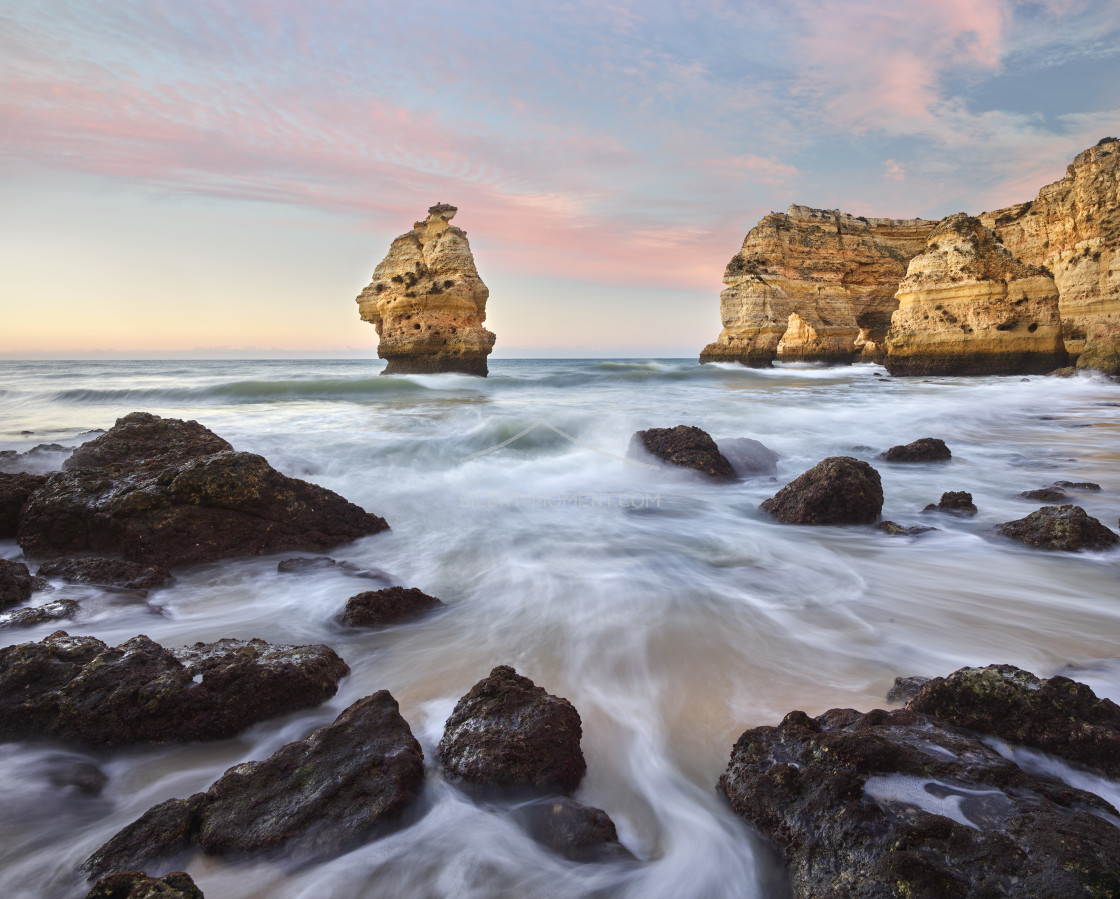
(671, 612)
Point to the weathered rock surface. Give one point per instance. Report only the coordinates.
(955, 502)
(393, 605)
(1078, 485)
(1051, 495)
(168, 492)
(307, 564)
(684, 446)
(314, 797)
(1102, 348)
(428, 302)
(15, 491)
(138, 885)
(577, 832)
(837, 490)
(59, 610)
(897, 530)
(925, 449)
(79, 689)
(1066, 527)
(813, 285)
(1073, 228)
(1059, 715)
(15, 583)
(103, 572)
(906, 688)
(508, 734)
(968, 307)
(749, 458)
(39, 459)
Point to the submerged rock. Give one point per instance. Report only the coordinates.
(15, 583)
(15, 491)
(837, 490)
(1077, 485)
(138, 885)
(925, 449)
(305, 564)
(38, 460)
(898, 530)
(59, 610)
(508, 734)
(106, 573)
(749, 458)
(428, 302)
(378, 608)
(684, 446)
(889, 804)
(1046, 495)
(167, 492)
(80, 690)
(1067, 528)
(955, 502)
(577, 832)
(317, 796)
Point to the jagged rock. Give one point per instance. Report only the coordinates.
(905, 688)
(925, 449)
(1102, 346)
(15, 490)
(80, 690)
(837, 490)
(378, 608)
(1046, 495)
(138, 885)
(955, 502)
(1067, 528)
(1073, 228)
(59, 610)
(106, 573)
(968, 307)
(813, 285)
(427, 301)
(898, 530)
(1059, 715)
(749, 458)
(889, 804)
(684, 446)
(168, 492)
(508, 734)
(577, 832)
(15, 583)
(317, 796)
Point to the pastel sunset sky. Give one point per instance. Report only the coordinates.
(209, 177)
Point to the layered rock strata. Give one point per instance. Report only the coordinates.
(968, 307)
(813, 285)
(427, 301)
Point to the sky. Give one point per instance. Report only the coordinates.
(220, 178)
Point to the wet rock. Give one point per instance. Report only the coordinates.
(106, 573)
(1058, 715)
(59, 610)
(889, 804)
(906, 688)
(1067, 528)
(167, 492)
(749, 458)
(305, 564)
(339, 786)
(575, 831)
(1046, 495)
(926, 449)
(39, 459)
(85, 777)
(377, 608)
(508, 734)
(1077, 485)
(15, 490)
(898, 530)
(15, 583)
(685, 447)
(80, 690)
(955, 502)
(837, 490)
(138, 885)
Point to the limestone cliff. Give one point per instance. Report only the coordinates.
(967, 307)
(1073, 228)
(428, 302)
(813, 285)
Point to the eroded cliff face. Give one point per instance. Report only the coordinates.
(428, 302)
(967, 306)
(1073, 228)
(813, 285)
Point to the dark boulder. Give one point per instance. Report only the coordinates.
(889, 804)
(954, 502)
(927, 449)
(508, 734)
(15, 490)
(749, 458)
(685, 447)
(79, 689)
(1067, 528)
(15, 583)
(138, 885)
(85, 777)
(1046, 495)
(59, 610)
(106, 573)
(168, 492)
(1058, 715)
(1078, 485)
(337, 787)
(837, 490)
(308, 564)
(898, 530)
(905, 688)
(577, 832)
(377, 608)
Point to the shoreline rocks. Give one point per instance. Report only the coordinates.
(837, 490)
(392, 605)
(684, 446)
(954, 502)
(101, 572)
(15, 583)
(925, 449)
(138, 885)
(1067, 528)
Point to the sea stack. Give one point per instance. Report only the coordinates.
(968, 307)
(428, 302)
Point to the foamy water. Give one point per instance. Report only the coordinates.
(671, 612)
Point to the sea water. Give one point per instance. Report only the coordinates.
(670, 611)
